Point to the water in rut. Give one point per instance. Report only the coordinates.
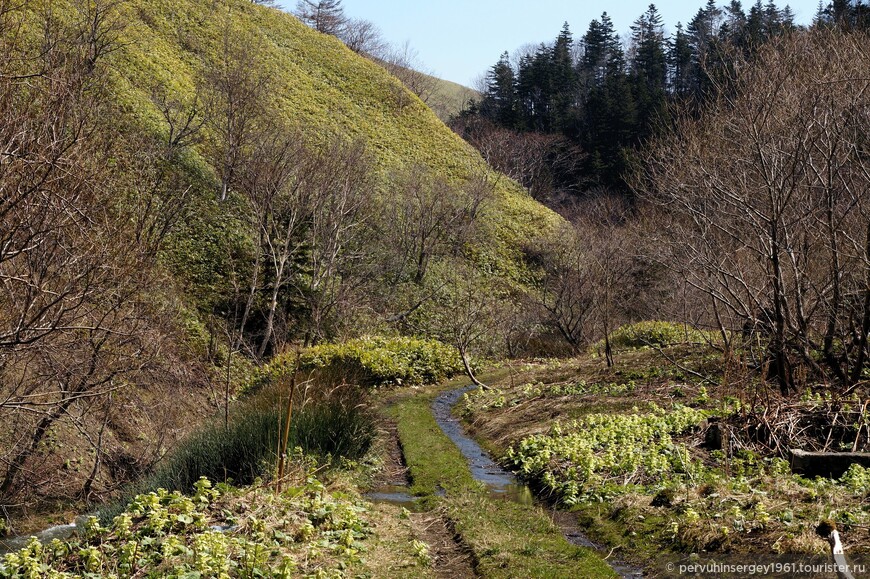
(499, 481)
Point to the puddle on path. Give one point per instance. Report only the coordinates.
(394, 495)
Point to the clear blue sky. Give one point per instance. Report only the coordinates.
(460, 39)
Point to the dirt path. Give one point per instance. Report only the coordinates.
(450, 559)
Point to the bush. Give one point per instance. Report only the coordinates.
(334, 424)
(656, 334)
(373, 361)
(334, 428)
(243, 450)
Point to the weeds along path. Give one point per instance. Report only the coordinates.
(504, 538)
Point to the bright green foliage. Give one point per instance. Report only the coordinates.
(657, 334)
(376, 361)
(599, 454)
(481, 400)
(213, 533)
(857, 479)
(316, 83)
(643, 475)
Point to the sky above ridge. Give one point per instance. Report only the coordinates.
(459, 40)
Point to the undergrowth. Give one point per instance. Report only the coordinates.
(373, 362)
(334, 425)
(649, 478)
(656, 334)
(603, 454)
(216, 532)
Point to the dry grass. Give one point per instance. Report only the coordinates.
(743, 503)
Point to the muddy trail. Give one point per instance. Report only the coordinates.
(450, 558)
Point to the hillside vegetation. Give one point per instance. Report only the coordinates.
(316, 83)
(449, 98)
(193, 185)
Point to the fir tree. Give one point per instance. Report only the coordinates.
(500, 100)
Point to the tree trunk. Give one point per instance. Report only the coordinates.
(782, 369)
(17, 462)
(858, 367)
(270, 320)
(469, 372)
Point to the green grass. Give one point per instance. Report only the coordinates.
(335, 426)
(434, 461)
(507, 539)
(449, 98)
(247, 446)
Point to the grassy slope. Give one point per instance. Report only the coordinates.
(449, 98)
(324, 86)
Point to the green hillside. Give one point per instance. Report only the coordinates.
(318, 83)
(179, 283)
(449, 98)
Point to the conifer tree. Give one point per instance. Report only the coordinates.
(500, 100)
(534, 88)
(563, 81)
(734, 29)
(610, 114)
(680, 63)
(648, 70)
(325, 16)
(755, 30)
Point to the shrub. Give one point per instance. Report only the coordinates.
(656, 334)
(334, 428)
(242, 450)
(335, 423)
(372, 362)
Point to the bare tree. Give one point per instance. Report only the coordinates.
(308, 205)
(607, 230)
(364, 37)
(534, 160)
(466, 313)
(340, 184)
(70, 315)
(235, 89)
(276, 195)
(326, 16)
(404, 63)
(769, 192)
(427, 217)
(568, 289)
(160, 191)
